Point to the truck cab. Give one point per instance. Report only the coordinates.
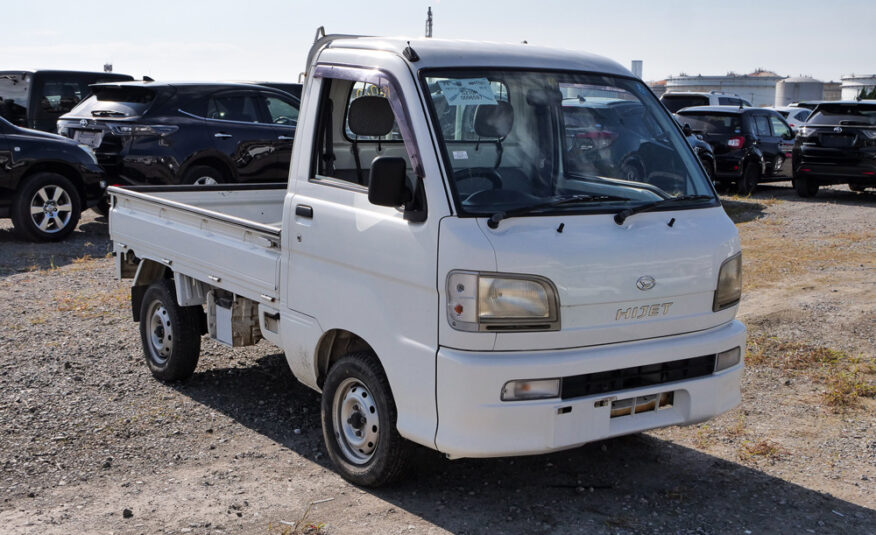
(451, 263)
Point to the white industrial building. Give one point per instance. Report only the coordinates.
(853, 84)
(758, 87)
(798, 89)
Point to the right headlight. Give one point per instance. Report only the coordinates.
(729, 283)
(501, 302)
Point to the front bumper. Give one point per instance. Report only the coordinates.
(474, 422)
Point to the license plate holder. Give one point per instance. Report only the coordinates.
(92, 138)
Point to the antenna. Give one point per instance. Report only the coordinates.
(429, 21)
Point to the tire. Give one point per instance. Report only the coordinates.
(203, 175)
(746, 184)
(358, 422)
(858, 187)
(102, 207)
(170, 334)
(805, 187)
(47, 207)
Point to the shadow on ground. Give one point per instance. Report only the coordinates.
(91, 238)
(636, 484)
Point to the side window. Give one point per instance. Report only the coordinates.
(60, 97)
(233, 107)
(351, 135)
(361, 89)
(280, 111)
(725, 101)
(762, 125)
(802, 115)
(780, 129)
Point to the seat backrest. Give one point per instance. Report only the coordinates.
(370, 116)
(494, 120)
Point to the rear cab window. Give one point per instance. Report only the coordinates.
(14, 92)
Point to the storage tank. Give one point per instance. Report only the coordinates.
(798, 89)
(854, 83)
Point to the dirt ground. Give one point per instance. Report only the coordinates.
(91, 443)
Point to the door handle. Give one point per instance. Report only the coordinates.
(303, 210)
(221, 135)
(285, 138)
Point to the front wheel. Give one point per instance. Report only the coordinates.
(358, 422)
(805, 187)
(170, 333)
(46, 208)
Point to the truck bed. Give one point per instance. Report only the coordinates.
(225, 235)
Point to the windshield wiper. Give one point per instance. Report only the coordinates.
(622, 216)
(107, 113)
(494, 220)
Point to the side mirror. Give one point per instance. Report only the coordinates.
(789, 135)
(387, 182)
(686, 130)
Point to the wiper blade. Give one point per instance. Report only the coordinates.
(622, 216)
(107, 113)
(494, 220)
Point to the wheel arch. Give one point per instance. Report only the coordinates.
(60, 168)
(148, 271)
(334, 344)
(216, 161)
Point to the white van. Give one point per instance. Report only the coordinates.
(678, 100)
(453, 263)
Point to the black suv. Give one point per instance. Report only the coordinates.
(751, 145)
(186, 133)
(837, 145)
(35, 99)
(45, 182)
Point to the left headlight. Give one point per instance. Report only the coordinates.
(501, 302)
(729, 289)
(90, 152)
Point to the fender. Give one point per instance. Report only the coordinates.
(148, 271)
(213, 158)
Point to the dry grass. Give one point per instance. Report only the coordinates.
(766, 449)
(91, 305)
(846, 378)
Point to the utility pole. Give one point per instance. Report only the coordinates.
(429, 22)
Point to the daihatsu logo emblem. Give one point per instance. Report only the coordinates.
(645, 283)
(837, 130)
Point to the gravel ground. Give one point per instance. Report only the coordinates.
(91, 443)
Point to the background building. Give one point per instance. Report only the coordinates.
(797, 89)
(758, 87)
(854, 83)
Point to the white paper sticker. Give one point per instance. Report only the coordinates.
(460, 155)
(467, 91)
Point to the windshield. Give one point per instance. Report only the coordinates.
(844, 114)
(677, 102)
(115, 101)
(516, 139)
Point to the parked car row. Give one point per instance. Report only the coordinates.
(117, 130)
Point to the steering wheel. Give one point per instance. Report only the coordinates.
(479, 172)
(283, 119)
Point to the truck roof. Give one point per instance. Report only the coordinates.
(445, 53)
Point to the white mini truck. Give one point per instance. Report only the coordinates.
(489, 250)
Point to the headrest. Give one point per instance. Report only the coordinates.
(370, 116)
(494, 120)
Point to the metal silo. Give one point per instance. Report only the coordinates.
(798, 89)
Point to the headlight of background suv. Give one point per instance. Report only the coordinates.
(729, 283)
(501, 302)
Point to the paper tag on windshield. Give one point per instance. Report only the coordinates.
(460, 155)
(467, 91)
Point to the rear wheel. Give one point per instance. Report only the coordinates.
(857, 187)
(46, 208)
(170, 334)
(359, 422)
(748, 181)
(805, 187)
(203, 175)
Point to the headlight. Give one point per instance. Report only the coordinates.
(869, 133)
(494, 302)
(88, 150)
(729, 283)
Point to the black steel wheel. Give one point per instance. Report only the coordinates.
(170, 334)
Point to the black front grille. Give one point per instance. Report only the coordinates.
(637, 376)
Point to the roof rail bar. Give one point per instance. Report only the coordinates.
(322, 40)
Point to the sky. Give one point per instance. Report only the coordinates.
(268, 40)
